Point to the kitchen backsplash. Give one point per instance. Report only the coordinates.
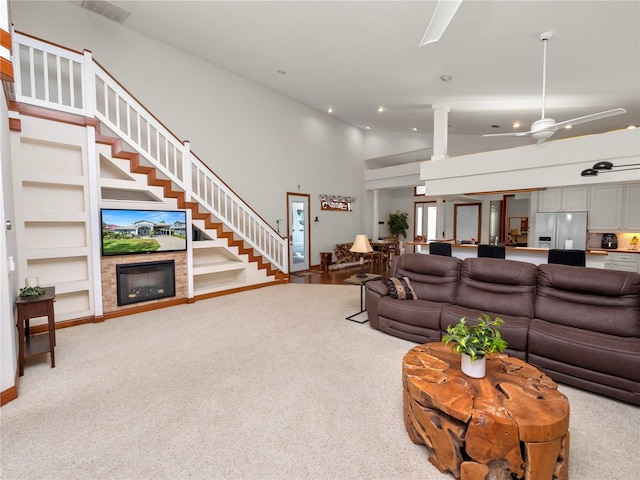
(624, 240)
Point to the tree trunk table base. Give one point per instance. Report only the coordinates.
(513, 423)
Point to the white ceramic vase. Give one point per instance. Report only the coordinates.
(475, 368)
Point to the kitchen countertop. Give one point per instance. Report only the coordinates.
(589, 251)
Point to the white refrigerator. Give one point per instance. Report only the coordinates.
(566, 230)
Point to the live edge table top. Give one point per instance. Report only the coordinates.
(512, 421)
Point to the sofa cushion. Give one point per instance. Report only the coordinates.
(591, 351)
(421, 313)
(497, 285)
(433, 277)
(400, 288)
(605, 301)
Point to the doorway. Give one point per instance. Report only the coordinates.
(298, 229)
(425, 221)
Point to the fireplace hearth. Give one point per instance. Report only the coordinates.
(141, 282)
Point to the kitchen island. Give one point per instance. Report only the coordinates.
(537, 256)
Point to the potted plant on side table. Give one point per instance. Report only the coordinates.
(474, 342)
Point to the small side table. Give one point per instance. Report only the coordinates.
(356, 280)
(325, 260)
(30, 345)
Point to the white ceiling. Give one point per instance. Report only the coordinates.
(354, 56)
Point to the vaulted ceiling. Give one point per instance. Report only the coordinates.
(355, 56)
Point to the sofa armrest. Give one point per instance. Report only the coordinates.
(378, 287)
(375, 290)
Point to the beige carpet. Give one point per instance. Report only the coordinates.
(268, 384)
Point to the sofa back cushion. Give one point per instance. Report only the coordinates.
(497, 285)
(606, 301)
(433, 277)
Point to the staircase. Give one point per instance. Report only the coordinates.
(77, 87)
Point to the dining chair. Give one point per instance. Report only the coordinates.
(491, 251)
(575, 258)
(440, 248)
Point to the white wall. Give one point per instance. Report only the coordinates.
(260, 143)
(8, 248)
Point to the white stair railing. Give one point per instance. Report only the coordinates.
(56, 78)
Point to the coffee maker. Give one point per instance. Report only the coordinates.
(609, 241)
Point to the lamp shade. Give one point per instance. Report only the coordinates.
(361, 245)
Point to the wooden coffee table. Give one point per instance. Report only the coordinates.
(512, 421)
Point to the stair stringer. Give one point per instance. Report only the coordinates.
(257, 271)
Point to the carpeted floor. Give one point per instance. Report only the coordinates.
(272, 383)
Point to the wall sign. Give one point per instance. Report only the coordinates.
(336, 203)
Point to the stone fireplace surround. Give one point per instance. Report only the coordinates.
(109, 281)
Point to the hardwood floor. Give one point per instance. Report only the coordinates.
(333, 277)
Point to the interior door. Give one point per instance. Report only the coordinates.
(425, 221)
(298, 228)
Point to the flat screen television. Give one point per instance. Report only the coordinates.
(126, 232)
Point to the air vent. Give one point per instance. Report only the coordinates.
(106, 9)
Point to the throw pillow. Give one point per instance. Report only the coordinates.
(400, 288)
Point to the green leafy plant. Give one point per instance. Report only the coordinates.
(398, 223)
(31, 292)
(476, 340)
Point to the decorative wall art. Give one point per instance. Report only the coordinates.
(336, 202)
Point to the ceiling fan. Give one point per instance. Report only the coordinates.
(544, 128)
(442, 16)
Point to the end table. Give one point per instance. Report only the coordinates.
(29, 345)
(356, 280)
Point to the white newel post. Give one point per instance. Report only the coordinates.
(186, 170)
(89, 85)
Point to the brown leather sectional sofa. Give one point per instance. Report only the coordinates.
(579, 325)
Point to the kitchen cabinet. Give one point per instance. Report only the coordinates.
(605, 208)
(631, 207)
(627, 262)
(571, 199)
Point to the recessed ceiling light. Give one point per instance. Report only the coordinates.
(631, 127)
(281, 72)
(368, 127)
(329, 110)
(381, 109)
(415, 129)
(517, 124)
(569, 127)
(446, 78)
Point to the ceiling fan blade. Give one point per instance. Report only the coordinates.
(590, 118)
(510, 134)
(442, 16)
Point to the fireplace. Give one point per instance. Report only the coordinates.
(141, 282)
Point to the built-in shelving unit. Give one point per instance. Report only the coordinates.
(51, 192)
(216, 267)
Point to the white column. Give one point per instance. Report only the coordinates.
(440, 131)
(375, 212)
(440, 214)
(93, 174)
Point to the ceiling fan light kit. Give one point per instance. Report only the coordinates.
(607, 167)
(544, 128)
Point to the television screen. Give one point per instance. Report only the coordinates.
(126, 232)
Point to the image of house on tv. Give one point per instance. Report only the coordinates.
(147, 228)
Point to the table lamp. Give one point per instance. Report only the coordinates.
(361, 245)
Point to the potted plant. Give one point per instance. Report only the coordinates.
(473, 342)
(398, 223)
